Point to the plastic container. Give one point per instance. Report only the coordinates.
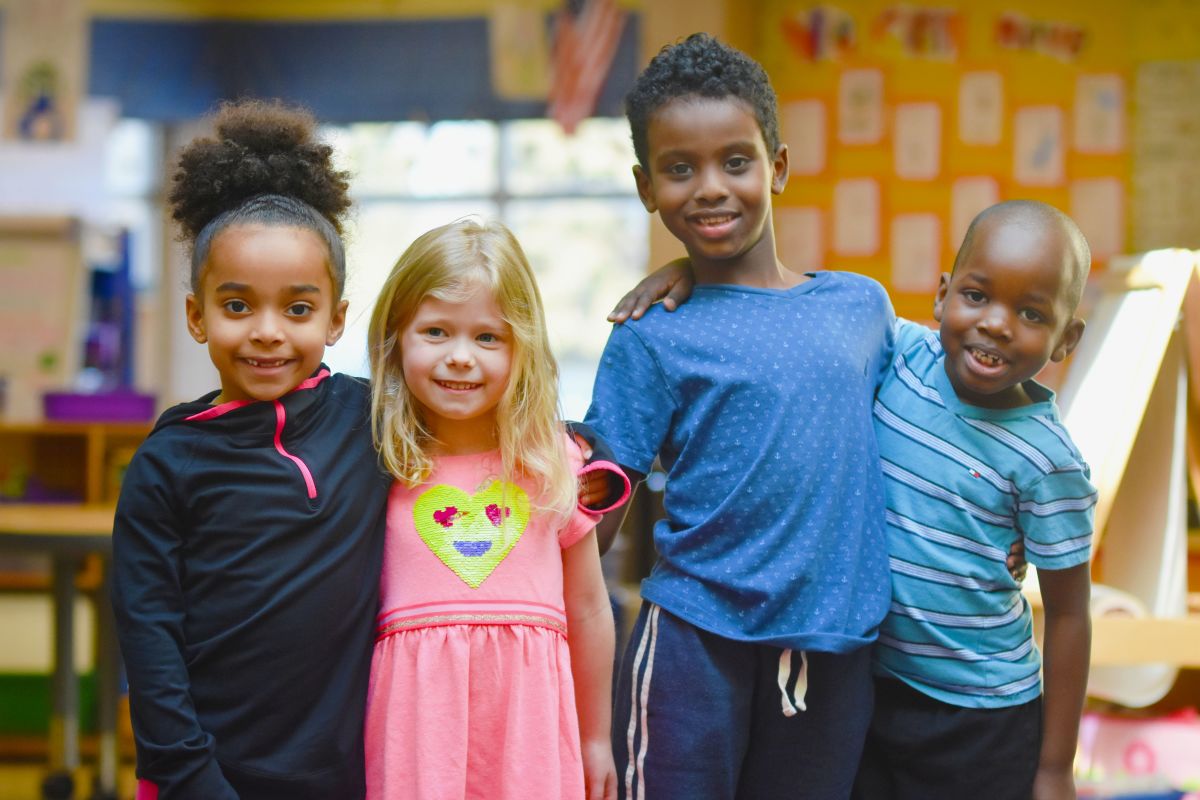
(113, 406)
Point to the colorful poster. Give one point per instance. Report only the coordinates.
(916, 252)
(968, 197)
(981, 108)
(44, 69)
(860, 106)
(804, 131)
(918, 141)
(799, 237)
(1099, 114)
(856, 217)
(1038, 146)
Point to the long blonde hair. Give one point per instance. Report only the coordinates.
(447, 263)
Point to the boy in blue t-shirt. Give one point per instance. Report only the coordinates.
(975, 460)
(748, 672)
(975, 457)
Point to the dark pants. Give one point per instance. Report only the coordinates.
(919, 748)
(702, 717)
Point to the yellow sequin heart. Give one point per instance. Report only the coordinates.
(471, 533)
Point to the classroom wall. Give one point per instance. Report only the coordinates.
(904, 120)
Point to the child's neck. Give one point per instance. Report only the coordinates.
(758, 267)
(465, 437)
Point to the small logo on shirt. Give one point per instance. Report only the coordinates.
(974, 473)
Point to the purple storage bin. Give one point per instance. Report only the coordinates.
(118, 406)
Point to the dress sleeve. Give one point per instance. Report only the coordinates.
(1056, 515)
(581, 519)
(174, 753)
(602, 459)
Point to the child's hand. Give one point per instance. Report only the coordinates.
(671, 283)
(1016, 563)
(1054, 784)
(599, 771)
(593, 488)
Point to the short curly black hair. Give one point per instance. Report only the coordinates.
(265, 165)
(700, 65)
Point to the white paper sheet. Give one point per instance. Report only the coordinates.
(918, 141)
(981, 108)
(1038, 146)
(856, 217)
(860, 106)
(803, 126)
(916, 252)
(969, 196)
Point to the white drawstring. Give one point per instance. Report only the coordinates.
(791, 704)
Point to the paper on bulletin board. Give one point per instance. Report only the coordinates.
(917, 141)
(1099, 114)
(804, 126)
(1038, 146)
(41, 293)
(860, 106)
(969, 196)
(799, 238)
(520, 52)
(44, 69)
(1098, 207)
(981, 108)
(856, 217)
(916, 252)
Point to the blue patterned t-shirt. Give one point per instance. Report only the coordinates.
(758, 404)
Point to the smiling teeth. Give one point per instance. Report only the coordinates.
(716, 220)
(988, 359)
(456, 385)
(254, 362)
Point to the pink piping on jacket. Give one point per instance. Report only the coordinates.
(280, 420)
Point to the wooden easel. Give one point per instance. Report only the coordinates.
(1125, 401)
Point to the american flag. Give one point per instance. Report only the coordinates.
(586, 35)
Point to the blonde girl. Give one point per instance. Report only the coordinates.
(491, 675)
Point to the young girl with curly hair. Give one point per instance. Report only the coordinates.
(492, 670)
(248, 535)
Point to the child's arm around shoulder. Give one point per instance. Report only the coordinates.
(174, 752)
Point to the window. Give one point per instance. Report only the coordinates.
(570, 201)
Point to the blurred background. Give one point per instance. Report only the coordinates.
(903, 120)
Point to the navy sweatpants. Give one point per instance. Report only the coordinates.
(702, 717)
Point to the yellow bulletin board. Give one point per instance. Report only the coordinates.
(903, 121)
(41, 290)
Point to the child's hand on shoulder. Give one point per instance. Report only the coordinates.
(599, 770)
(672, 284)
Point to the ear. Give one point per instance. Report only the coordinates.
(644, 188)
(1068, 340)
(779, 170)
(195, 319)
(939, 301)
(337, 323)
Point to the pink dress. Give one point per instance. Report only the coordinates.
(471, 693)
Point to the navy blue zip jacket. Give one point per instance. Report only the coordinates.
(246, 556)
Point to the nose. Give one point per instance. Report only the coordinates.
(712, 185)
(995, 322)
(460, 354)
(267, 329)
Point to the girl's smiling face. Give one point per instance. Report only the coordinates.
(266, 309)
(456, 357)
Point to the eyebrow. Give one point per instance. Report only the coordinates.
(299, 288)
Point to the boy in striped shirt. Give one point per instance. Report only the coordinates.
(974, 457)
